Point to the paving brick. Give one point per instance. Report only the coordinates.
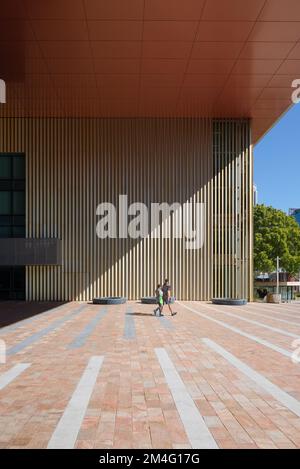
(131, 405)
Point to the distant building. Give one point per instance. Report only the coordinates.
(295, 212)
(255, 195)
(267, 283)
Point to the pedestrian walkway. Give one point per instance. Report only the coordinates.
(86, 376)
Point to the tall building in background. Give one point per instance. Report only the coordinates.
(161, 101)
(295, 212)
(255, 195)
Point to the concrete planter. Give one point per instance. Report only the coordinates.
(229, 301)
(273, 298)
(109, 300)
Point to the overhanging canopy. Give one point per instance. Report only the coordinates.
(126, 58)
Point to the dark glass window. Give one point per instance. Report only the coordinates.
(5, 231)
(4, 220)
(12, 283)
(18, 167)
(5, 167)
(18, 232)
(12, 195)
(18, 202)
(4, 278)
(5, 203)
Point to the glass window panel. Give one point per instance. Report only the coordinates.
(4, 295)
(5, 184)
(18, 185)
(5, 231)
(5, 167)
(5, 203)
(20, 295)
(19, 202)
(12, 283)
(18, 231)
(12, 195)
(18, 278)
(4, 278)
(17, 220)
(5, 220)
(19, 167)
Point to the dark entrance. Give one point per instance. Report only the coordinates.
(12, 283)
(12, 220)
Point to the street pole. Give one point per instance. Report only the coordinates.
(277, 276)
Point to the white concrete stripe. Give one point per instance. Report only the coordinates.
(270, 311)
(7, 377)
(225, 309)
(66, 432)
(195, 427)
(256, 323)
(281, 396)
(273, 319)
(291, 307)
(260, 341)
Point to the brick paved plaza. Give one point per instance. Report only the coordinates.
(84, 376)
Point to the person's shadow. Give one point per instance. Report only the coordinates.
(137, 313)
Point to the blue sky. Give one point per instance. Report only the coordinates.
(277, 163)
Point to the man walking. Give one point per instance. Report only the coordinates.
(166, 288)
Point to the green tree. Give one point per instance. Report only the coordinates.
(275, 234)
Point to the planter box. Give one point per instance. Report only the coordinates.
(273, 298)
(109, 300)
(229, 301)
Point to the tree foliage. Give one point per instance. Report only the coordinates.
(275, 234)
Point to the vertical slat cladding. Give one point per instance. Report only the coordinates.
(232, 209)
(250, 218)
(72, 165)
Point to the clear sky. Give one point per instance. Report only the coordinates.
(277, 163)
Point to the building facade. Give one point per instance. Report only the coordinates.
(255, 195)
(160, 101)
(295, 212)
(72, 165)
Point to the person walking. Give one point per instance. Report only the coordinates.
(159, 300)
(166, 288)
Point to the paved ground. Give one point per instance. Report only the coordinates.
(87, 376)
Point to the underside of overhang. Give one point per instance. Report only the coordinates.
(150, 58)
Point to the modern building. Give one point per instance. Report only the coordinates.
(255, 195)
(288, 287)
(295, 212)
(161, 101)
